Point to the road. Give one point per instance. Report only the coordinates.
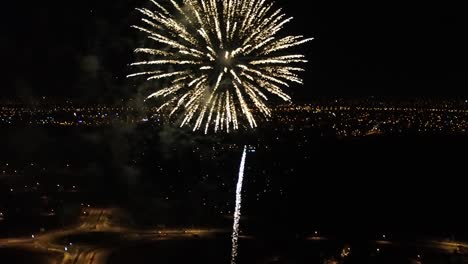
(96, 221)
(99, 221)
(448, 248)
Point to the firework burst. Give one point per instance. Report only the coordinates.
(219, 59)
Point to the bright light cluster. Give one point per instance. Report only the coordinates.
(217, 61)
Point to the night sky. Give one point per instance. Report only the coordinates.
(81, 49)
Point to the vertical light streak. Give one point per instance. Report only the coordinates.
(237, 212)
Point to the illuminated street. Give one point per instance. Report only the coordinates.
(97, 222)
(94, 222)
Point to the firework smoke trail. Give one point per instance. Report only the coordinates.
(219, 60)
(237, 212)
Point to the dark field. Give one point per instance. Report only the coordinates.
(352, 190)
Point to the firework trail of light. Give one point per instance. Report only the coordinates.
(237, 212)
(220, 59)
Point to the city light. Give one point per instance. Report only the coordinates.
(346, 118)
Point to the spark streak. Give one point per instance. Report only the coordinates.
(237, 212)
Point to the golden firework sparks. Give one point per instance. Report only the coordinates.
(221, 59)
